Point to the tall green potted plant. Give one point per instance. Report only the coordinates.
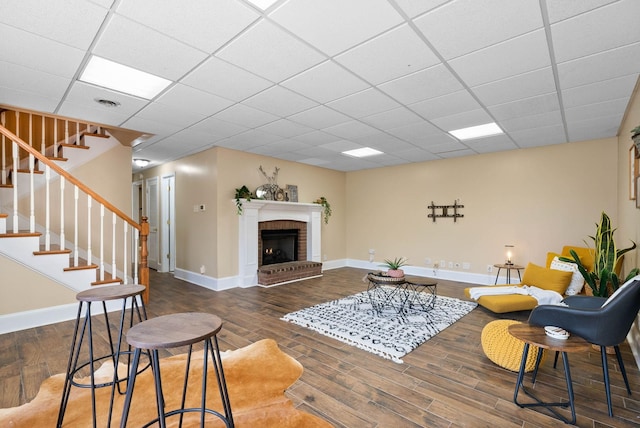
(603, 279)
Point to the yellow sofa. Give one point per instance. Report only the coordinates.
(542, 277)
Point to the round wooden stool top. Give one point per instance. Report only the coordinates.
(170, 331)
(535, 335)
(109, 292)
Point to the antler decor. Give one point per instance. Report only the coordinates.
(273, 180)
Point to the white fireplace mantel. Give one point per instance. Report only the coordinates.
(258, 210)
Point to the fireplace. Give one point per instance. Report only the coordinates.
(279, 246)
(259, 215)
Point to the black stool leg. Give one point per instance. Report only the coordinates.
(131, 383)
(605, 373)
(186, 381)
(222, 383)
(67, 380)
(624, 372)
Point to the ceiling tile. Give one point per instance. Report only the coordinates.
(204, 24)
(279, 147)
(341, 146)
(221, 128)
(245, 116)
(28, 100)
(416, 155)
(415, 132)
(528, 106)
(319, 117)
(446, 105)
(524, 85)
(310, 19)
(85, 94)
(160, 129)
(594, 111)
(463, 120)
(364, 103)
(72, 22)
(325, 82)
(317, 138)
(463, 26)
(279, 101)
(492, 144)
(444, 146)
(285, 128)
(383, 142)
(515, 56)
(542, 136)
(173, 114)
(247, 140)
(551, 118)
(270, 52)
(403, 50)
(37, 82)
(351, 129)
(39, 53)
(415, 7)
(601, 29)
(147, 50)
(594, 128)
(602, 66)
(559, 10)
(429, 83)
(194, 100)
(620, 87)
(392, 118)
(226, 80)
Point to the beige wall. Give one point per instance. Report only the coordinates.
(536, 199)
(210, 238)
(24, 289)
(110, 175)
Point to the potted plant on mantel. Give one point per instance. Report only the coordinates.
(603, 280)
(393, 267)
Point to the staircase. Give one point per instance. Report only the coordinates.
(53, 223)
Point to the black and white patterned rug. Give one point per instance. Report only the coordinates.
(392, 335)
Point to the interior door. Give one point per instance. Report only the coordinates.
(167, 200)
(152, 215)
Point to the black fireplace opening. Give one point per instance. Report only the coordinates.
(279, 246)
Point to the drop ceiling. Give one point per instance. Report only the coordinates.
(304, 80)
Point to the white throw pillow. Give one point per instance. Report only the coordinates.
(577, 281)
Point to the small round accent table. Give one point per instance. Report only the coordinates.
(508, 267)
(535, 335)
(171, 331)
(74, 366)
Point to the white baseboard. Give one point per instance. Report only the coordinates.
(205, 281)
(51, 315)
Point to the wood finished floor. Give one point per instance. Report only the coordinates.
(446, 382)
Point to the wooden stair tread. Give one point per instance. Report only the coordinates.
(26, 171)
(91, 134)
(74, 146)
(80, 267)
(44, 252)
(56, 158)
(108, 281)
(4, 215)
(6, 186)
(19, 234)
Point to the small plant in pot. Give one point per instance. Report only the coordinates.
(393, 266)
(635, 136)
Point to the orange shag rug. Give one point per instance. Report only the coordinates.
(257, 376)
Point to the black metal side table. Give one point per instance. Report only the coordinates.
(398, 294)
(508, 267)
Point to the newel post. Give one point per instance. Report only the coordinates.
(144, 253)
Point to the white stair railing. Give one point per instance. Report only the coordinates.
(38, 206)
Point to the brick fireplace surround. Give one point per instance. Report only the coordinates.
(261, 214)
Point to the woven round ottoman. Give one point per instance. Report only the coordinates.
(505, 350)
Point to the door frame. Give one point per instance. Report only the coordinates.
(168, 223)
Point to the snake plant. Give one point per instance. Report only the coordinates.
(606, 260)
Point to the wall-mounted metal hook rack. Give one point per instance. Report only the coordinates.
(445, 212)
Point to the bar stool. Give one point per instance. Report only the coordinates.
(171, 331)
(99, 294)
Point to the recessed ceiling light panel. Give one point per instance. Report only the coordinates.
(121, 78)
(479, 131)
(363, 152)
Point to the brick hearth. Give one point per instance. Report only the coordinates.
(286, 272)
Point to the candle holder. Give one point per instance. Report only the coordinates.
(509, 248)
